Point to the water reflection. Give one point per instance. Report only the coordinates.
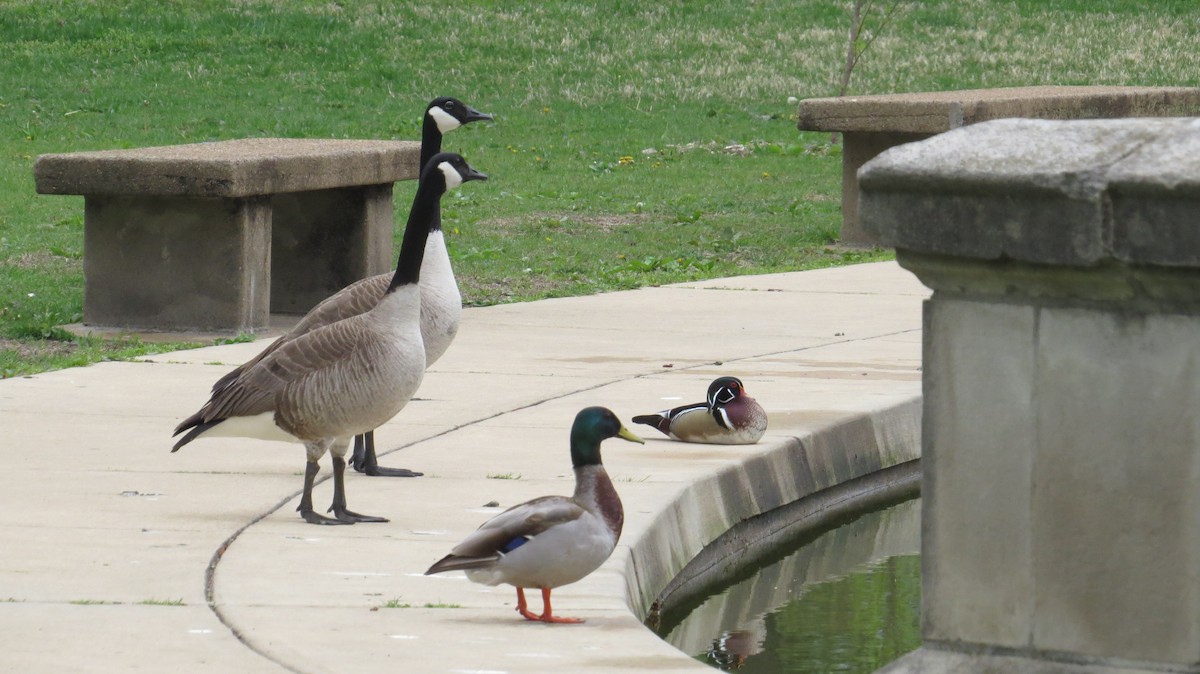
(848, 601)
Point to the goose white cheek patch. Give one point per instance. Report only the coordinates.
(453, 179)
(446, 122)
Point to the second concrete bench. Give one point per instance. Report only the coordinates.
(871, 124)
(214, 237)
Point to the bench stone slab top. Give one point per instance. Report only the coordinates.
(940, 111)
(231, 168)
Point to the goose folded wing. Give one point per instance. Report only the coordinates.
(357, 298)
(294, 363)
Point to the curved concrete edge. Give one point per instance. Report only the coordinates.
(847, 450)
(777, 532)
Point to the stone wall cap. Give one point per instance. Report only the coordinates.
(939, 111)
(1025, 154)
(1042, 191)
(230, 168)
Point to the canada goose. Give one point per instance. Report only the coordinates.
(727, 417)
(344, 378)
(553, 540)
(441, 302)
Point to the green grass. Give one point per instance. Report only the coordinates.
(635, 143)
(396, 603)
(504, 476)
(162, 602)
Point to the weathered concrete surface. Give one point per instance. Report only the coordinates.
(1061, 490)
(106, 528)
(215, 237)
(871, 124)
(178, 263)
(1040, 192)
(933, 112)
(229, 168)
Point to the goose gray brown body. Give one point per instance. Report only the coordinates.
(342, 379)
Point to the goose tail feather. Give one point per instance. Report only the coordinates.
(193, 422)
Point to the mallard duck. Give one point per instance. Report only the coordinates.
(553, 540)
(342, 379)
(441, 302)
(727, 417)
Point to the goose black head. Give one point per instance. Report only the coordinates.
(451, 169)
(592, 426)
(449, 113)
(724, 390)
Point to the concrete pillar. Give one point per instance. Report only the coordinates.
(1061, 457)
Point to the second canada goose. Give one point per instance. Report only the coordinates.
(342, 379)
(441, 302)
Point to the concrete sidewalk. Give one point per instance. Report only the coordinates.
(110, 544)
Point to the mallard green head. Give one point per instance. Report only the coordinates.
(592, 426)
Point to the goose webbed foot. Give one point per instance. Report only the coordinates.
(380, 471)
(316, 518)
(364, 461)
(350, 517)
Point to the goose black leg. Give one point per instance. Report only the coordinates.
(306, 506)
(364, 461)
(338, 508)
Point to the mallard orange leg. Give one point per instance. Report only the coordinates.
(547, 615)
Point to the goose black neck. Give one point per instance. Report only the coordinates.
(412, 249)
(431, 139)
(431, 144)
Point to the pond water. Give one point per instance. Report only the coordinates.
(847, 600)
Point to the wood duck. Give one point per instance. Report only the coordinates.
(727, 417)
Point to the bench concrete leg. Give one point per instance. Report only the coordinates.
(177, 264)
(324, 240)
(857, 149)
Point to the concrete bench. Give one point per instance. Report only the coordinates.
(214, 237)
(871, 124)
